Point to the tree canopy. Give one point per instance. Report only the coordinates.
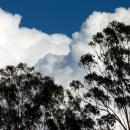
(29, 101)
(25, 98)
(107, 80)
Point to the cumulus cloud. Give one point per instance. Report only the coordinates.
(63, 68)
(55, 55)
(55, 44)
(93, 24)
(79, 46)
(22, 44)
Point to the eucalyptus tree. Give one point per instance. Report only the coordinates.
(27, 100)
(107, 80)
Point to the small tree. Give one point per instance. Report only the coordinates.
(107, 80)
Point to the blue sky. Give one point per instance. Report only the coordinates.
(58, 16)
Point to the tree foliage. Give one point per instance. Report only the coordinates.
(29, 101)
(25, 98)
(107, 80)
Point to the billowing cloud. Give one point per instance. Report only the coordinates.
(22, 44)
(93, 24)
(55, 55)
(63, 68)
(79, 46)
(55, 44)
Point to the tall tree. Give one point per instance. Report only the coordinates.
(27, 100)
(107, 80)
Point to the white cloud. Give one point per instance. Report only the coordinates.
(55, 44)
(22, 44)
(93, 24)
(63, 68)
(59, 55)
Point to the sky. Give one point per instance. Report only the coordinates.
(58, 16)
(52, 35)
